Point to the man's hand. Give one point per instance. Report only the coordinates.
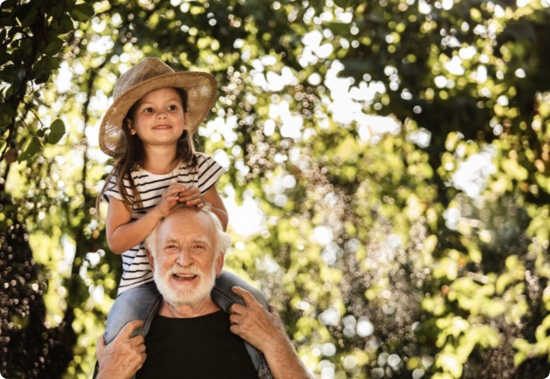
(123, 357)
(264, 330)
(254, 324)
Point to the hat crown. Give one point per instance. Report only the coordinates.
(149, 75)
(146, 69)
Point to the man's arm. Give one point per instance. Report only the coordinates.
(264, 330)
(123, 357)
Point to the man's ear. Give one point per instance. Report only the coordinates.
(219, 264)
(151, 260)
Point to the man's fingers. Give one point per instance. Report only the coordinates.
(100, 345)
(234, 318)
(273, 310)
(138, 340)
(130, 327)
(235, 329)
(140, 348)
(247, 296)
(237, 309)
(142, 359)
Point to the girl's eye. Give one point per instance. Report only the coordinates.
(172, 107)
(148, 110)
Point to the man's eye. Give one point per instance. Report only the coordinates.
(170, 247)
(199, 247)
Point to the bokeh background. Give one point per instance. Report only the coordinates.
(387, 175)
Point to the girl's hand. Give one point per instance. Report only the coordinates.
(192, 196)
(170, 197)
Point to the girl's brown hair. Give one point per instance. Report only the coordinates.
(135, 155)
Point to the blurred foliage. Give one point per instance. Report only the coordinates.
(398, 152)
(31, 40)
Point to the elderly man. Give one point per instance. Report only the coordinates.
(190, 336)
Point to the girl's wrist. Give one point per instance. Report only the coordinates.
(158, 213)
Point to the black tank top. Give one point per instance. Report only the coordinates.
(200, 347)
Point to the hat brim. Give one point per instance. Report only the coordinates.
(201, 91)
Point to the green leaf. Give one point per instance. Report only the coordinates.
(4, 57)
(63, 25)
(82, 12)
(26, 48)
(44, 69)
(8, 4)
(57, 10)
(4, 118)
(57, 131)
(23, 10)
(7, 110)
(4, 21)
(29, 18)
(30, 151)
(8, 73)
(54, 46)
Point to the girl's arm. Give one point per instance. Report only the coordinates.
(123, 233)
(218, 208)
(193, 197)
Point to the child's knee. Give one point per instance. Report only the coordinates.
(228, 280)
(131, 305)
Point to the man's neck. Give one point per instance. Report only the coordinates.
(188, 311)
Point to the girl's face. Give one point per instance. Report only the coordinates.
(159, 118)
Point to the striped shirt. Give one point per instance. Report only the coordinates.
(135, 265)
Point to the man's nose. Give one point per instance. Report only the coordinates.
(184, 258)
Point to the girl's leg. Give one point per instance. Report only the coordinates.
(133, 304)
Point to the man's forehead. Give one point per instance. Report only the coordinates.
(188, 225)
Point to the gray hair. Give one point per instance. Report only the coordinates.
(223, 240)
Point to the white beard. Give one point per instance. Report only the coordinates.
(184, 294)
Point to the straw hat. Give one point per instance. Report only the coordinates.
(148, 75)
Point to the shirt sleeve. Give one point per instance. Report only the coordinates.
(209, 171)
(113, 190)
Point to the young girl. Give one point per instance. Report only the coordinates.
(149, 129)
